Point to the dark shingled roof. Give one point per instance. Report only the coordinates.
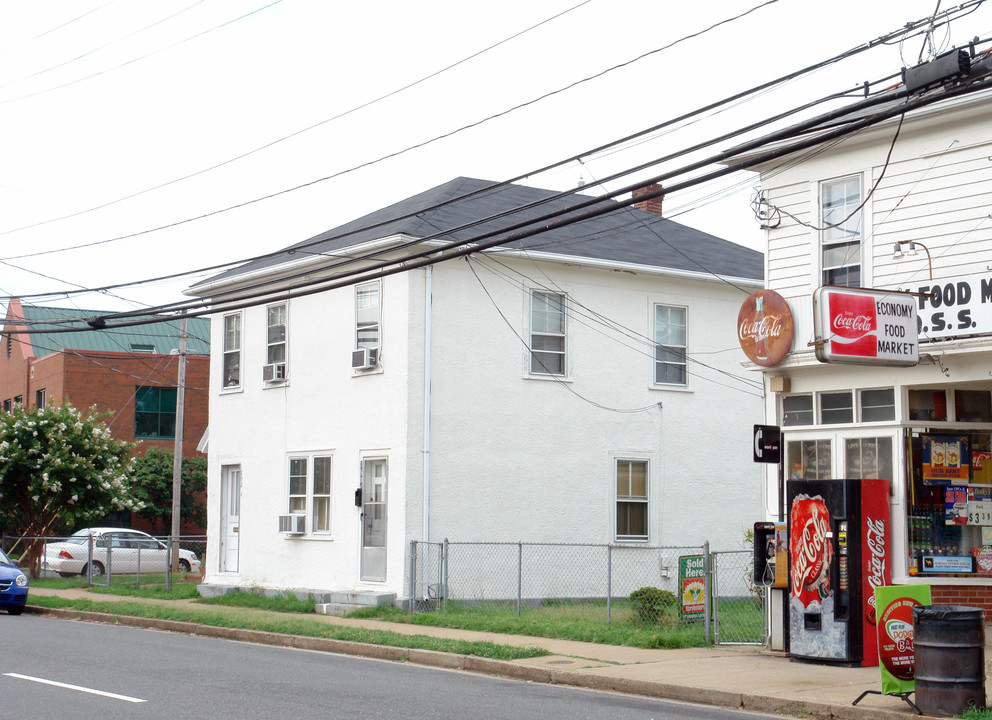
(625, 236)
(158, 338)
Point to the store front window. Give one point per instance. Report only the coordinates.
(950, 500)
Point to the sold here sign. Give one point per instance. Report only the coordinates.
(865, 327)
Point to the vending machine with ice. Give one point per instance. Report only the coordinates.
(838, 554)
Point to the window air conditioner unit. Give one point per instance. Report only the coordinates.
(293, 524)
(276, 372)
(364, 358)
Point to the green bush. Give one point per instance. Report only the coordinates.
(651, 603)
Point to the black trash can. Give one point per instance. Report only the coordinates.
(949, 644)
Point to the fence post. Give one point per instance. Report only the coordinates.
(609, 581)
(709, 588)
(89, 560)
(444, 574)
(170, 545)
(413, 576)
(520, 573)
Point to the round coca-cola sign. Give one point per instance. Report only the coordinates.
(765, 328)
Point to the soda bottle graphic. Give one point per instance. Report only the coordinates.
(761, 331)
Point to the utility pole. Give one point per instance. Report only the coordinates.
(177, 459)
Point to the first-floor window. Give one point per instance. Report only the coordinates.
(632, 499)
(39, 399)
(310, 486)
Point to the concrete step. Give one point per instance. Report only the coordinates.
(342, 603)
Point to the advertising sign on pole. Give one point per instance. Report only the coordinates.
(896, 657)
(692, 583)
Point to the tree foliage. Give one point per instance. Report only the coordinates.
(153, 487)
(58, 469)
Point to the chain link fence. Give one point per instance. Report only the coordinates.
(123, 555)
(665, 587)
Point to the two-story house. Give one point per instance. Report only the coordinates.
(900, 207)
(576, 386)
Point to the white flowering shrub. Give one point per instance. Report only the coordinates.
(58, 469)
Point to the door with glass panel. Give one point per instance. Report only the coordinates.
(374, 520)
(230, 520)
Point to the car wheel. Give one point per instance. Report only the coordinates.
(184, 565)
(98, 569)
(69, 574)
(15, 609)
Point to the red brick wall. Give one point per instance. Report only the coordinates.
(979, 596)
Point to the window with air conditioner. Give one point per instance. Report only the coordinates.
(274, 369)
(368, 322)
(309, 493)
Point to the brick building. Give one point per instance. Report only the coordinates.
(128, 374)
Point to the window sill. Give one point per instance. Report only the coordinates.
(274, 385)
(631, 541)
(233, 390)
(308, 536)
(377, 370)
(548, 378)
(671, 388)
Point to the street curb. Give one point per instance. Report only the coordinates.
(497, 668)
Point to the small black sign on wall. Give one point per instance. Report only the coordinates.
(767, 443)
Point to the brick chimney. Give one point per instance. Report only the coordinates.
(652, 205)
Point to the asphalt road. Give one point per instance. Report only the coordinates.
(62, 669)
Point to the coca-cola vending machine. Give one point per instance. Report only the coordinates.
(838, 555)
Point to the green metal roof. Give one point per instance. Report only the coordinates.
(155, 338)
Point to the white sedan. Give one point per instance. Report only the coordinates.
(121, 550)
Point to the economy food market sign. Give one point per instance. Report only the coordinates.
(865, 327)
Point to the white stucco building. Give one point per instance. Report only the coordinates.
(885, 209)
(578, 386)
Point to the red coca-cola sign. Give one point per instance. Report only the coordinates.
(853, 324)
(765, 328)
(874, 327)
(810, 549)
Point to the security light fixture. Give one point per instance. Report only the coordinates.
(898, 253)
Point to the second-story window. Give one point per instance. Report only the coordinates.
(840, 239)
(232, 350)
(275, 336)
(547, 333)
(155, 412)
(367, 315)
(670, 345)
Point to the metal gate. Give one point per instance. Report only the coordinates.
(739, 616)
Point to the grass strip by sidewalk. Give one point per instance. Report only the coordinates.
(289, 625)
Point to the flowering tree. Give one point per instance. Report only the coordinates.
(59, 467)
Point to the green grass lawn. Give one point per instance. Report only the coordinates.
(740, 620)
(289, 624)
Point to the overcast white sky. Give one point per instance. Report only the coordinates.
(103, 99)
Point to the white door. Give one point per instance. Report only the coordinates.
(230, 511)
(374, 520)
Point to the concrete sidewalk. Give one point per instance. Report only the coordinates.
(740, 677)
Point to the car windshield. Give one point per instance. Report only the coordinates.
(4, 560)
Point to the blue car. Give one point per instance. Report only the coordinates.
(13, 586)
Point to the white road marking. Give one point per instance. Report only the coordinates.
(91, 691)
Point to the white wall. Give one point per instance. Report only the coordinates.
(512, 457)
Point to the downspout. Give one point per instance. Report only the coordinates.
(427, 404)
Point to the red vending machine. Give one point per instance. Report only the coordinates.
(838, 553)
